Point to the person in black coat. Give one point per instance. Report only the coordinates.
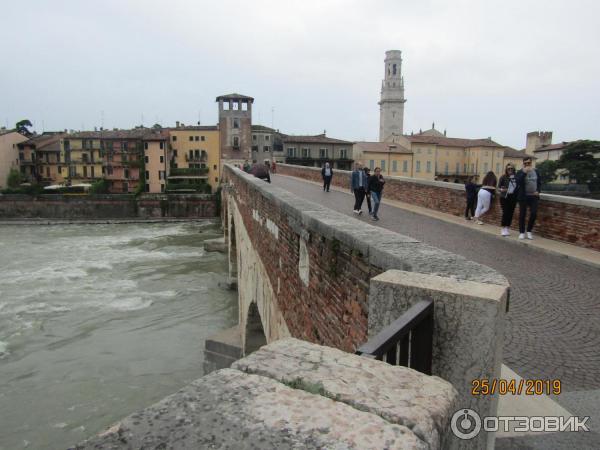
(471, 190)
(327, 174)
(367, 193)
(375, 187)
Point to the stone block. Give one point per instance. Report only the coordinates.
(229, 409)
(400, 395)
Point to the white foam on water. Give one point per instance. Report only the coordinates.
(129, 304)
(4, 349)
(163, 294)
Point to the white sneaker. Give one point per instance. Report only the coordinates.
(360, 212)
(504, 231)
(529, 235)
(479, 222)
(522, 236)
(356, 211)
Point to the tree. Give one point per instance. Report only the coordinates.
(578, 159)
(22, 126)
(547, 170)
(14, 179)
(157, 126)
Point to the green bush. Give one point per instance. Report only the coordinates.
(99, 187)
(14, 179)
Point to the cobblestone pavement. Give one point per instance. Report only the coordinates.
(553, 326)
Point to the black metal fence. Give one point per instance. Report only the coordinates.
(408, 341)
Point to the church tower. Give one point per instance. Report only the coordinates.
(391, 106)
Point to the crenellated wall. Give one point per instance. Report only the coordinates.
(567, 219)
(322, 277)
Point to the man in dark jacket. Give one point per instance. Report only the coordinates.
(327, 174)
(529, 184)
(376, 183)
(358, 185)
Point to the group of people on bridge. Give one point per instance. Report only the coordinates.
(522, 187)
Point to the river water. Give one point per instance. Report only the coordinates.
(98, 321)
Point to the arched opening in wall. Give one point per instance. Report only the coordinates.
(255, 333)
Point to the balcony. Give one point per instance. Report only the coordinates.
(196, 159)
(189, 172)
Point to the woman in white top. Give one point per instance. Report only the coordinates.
(327, 174)
(484, 197)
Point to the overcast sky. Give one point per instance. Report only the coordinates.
(476, 68)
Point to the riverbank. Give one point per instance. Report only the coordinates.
(41, 221)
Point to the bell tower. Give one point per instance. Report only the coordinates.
(391, 105)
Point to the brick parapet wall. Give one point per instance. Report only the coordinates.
(107, 206)
(344, 254)
(567, 219)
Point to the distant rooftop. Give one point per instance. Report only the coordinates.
(234, 96)
(136, 133)
(381, 147)
(422, 138)
(316, 139)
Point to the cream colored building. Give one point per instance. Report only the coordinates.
(392, 158)
(9, 153)
(194, 157)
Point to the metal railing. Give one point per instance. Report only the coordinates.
(408, 341)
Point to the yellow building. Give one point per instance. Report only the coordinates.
(81, 155)
(193, 157)
(156, 161)
(392, 158)
(9, 153)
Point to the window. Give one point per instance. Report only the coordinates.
(147, 187)
(306, 153)
(59, 169)
(146, 159)
(124, 158)
(162, 188)
(162, 145)
(383, 165)
(202, 138)
(109, 170)
(162, 159)
(173, 138)
(267, 137)
(147, 175)
(236, 123)
(92, 172)
(21, 156)
(236, 142)
(266, 148)
(126, 173)
(161, 174)
(428, 166)
(145, 146)
(214, 167)
(322, 153)
(123, 145)
(255, 148)
(343, 153)
(48, 172)
(418, 168)
(253, 137)
(372, 164)
(226, 106)
(457, 168)
(291, 152)
(404, 166)
(394, 166)
(446, 170)
(472, 168)
(84, 157)
(192, 138)
(245, 106)
(485, 167)
(196, 138)
(236, 106)
(125, 187)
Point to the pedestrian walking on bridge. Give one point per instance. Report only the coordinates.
(327, 174)
(358, 185)
(376, 183)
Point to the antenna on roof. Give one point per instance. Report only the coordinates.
(272, 117)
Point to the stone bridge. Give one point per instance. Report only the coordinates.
(305, 271)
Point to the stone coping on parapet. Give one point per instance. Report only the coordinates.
(383, 248)
(292, 394)
(578, 201)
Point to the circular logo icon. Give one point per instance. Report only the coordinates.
(465, 424)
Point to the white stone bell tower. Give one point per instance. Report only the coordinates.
(391, 106)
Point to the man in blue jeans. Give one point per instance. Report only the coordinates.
(375, 187)
(358, 185)
(529, 184)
